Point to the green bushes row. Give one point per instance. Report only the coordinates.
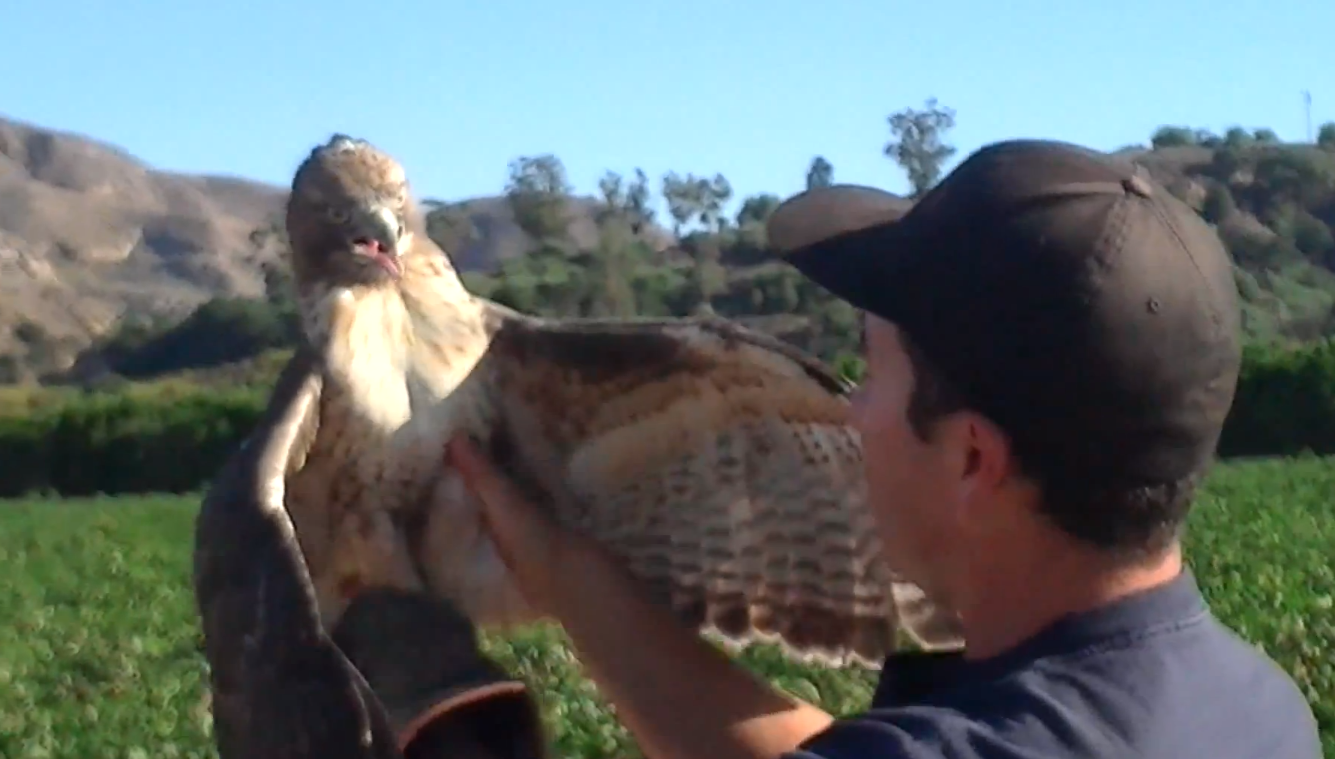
(137, 441)
(1285, 403)
(121, 443)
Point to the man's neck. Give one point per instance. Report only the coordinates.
(1003, 613)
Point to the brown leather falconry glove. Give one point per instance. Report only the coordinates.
(443, 696)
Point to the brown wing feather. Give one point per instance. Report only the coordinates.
(718, 463)
(280, 687)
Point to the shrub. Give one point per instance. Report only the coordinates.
(172, 436)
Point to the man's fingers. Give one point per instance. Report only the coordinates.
(476, 470)
(499, 500)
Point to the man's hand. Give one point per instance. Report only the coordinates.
(538, 552)
(681, 697)
(444, 697)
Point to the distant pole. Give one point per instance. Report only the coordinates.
(1307, 105)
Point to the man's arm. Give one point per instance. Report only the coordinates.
(681, 697)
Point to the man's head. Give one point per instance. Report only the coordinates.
(1052, 345)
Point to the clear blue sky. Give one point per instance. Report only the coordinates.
(752, 89)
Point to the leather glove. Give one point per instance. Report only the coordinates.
(444, 697)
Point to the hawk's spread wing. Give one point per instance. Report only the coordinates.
(280, 687)
(719, 464)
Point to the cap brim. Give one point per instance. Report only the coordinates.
(853, 266)
(841, 237)
(438, 705)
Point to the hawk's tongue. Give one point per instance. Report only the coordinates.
(389, 264)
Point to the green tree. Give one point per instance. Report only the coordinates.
(683, 200)
(1238, 137)
(613, 190)
(712, 194)
(708, 277)
(918, 144)
(1325, 136)
(639, 202)
(1218, 205)
(1265, 135)
(449, 225)
(611, 265)
(820, 173)
(539, 194)
(1172, 137)
(1288, 176)
(756, 209)
(1207, 139)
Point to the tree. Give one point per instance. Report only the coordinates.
(917, 145)
(1290, 177)
(538, 192)
(708, 277)
(682, 198)
(1172, 137)
(610, 292)
(1325, 136)
(638, 200)
(1265, 135)
(1237, 137)
(449, 225)
(756, 209)
(820, 173)
(1218, 204)
(1312, 236)
(1207, 139)
(713, 194)
(612, 187)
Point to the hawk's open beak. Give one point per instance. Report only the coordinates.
(377, 237)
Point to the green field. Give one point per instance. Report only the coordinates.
(99, 650)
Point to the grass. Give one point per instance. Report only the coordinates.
(99, 649)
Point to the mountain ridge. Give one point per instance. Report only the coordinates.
(91, 234)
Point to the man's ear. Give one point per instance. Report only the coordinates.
(982, 460)
(993, 461)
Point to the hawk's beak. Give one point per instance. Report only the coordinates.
(377, 237)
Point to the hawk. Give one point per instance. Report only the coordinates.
(715, 461)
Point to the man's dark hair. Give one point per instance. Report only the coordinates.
(1132, 523)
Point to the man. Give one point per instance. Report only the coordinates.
(1052, 347)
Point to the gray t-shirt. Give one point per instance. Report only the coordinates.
(1153, 676)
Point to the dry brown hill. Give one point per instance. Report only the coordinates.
(498, 238)
(89, 233)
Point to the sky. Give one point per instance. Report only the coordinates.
(751, 89)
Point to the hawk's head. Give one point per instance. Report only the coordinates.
(350, 216)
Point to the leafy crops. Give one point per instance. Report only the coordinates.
(99, 650)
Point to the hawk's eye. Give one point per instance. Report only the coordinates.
(337, 215)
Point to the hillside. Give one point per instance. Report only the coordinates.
(1274, 206)
(90, 234)
(111, 268)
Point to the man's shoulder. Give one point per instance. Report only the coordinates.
(1182, 687)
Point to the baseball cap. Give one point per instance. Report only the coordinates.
(1073, 300)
